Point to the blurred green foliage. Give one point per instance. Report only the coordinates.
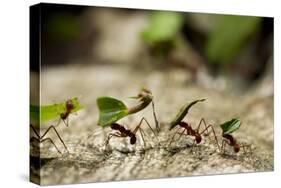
(230, 35)
(163, 26)
(64, 26)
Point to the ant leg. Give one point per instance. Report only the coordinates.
(49, 139)
(52, 127)
(250, 151)
(155, 118)
(175, 135)
(142, 136)
(223, 146)
(65, 122)
(46, 139)
(205, 124)
(39, 139)
(34, 130)
(244, 146)
(137, 127)
(213, 130)
(193, 144)
(110, 136)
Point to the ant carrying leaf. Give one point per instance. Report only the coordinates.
(43, 114)
(229, 127)
(187, 128)
(111, 110)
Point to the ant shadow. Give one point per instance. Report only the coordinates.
(244, 157)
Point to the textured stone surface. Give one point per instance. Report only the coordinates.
(90, 161)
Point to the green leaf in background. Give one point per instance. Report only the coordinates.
(230, 36)
(230, 126)
(182, 113)
(111, 110)
(51, 112)
(64, 26)
(164, 26)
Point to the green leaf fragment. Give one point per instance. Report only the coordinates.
(51, 112)
(182, 113)
(230, 126)
(111, 110)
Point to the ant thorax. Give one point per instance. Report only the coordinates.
(69, 107)
(230, 138)
(124, 132)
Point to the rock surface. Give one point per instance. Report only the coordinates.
(90, 161)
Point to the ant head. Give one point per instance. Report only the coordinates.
(133, 139)
(114, 126)
(236, 148)
(69, 105)
(198, 138)
(146, 90)
(145, 94)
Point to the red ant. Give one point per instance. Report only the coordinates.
(123, 132)
(231, 141)
(69, 107)
(63, 116)
(229, 127)
(194, 132)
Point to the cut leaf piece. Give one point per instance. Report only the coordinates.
(51, 112)
(111, 110)
(182, 113)
(230, 126)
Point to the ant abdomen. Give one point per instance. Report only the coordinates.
(198, 139)
(69, 105)
(133, 139)
(236, 148)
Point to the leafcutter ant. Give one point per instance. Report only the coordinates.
(228, 128)
(49, 112)
(187, 128)
(123, 132)
(111, 110)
